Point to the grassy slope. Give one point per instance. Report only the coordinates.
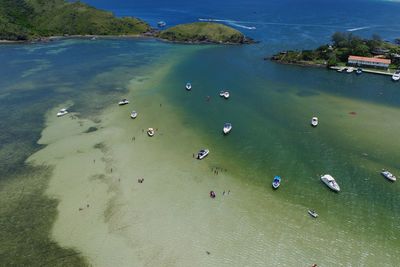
(203, 32)
(26, 19)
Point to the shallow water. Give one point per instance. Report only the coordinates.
(270, 108)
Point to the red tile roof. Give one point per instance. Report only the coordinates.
(370, 59)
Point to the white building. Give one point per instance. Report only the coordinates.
(369, 62)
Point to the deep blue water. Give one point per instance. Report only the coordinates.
(279, 23)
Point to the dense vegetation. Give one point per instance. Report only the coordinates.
(203, 32)
(343, 45)
(29, 19)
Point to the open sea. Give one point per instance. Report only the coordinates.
(270, 108)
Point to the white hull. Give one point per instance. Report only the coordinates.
(350, 70)
(134, 114)
(150, 132)
(188, 87)
(224, 94)
(123, 102)
(227, 128)
(62, 112)
(203, 153)
(330, 182)
(313, 213)
(388, 175)
(314, 121)
(396, 78)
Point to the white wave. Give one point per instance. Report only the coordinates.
(231, 22)
(358, 29)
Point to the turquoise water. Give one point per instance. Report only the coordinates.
(270, 108)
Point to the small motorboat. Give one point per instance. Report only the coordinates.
(227, 128)
(224, 94)
(188, 86)
(314, 121)
(396, 76)
(150, 132)
(161, 24)
(388, 175)
(313, 213)
(330, 182)
(350, 70)
(123, 102)
(359, 71)
(134, 114)
(276, 182)
(62, 112)
(202, 153)
(212, 194)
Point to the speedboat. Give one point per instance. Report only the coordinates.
(161, 24)
(396, 76)
(314, 121)
(203, 153)
(123, 102)
(134, 114)
(330, 182)
(359, 71)
(212, 194)
(388, 175)
(227, 128)
(62, 112)
(224, 94)
(350, 70)
(276, 182)
(188, 86)
(313, 213)
(150, 132)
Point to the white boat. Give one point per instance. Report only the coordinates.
(350, 70)
(123, 102)
(313, 213)
(330, 182)
(188, 86)
(314, 121)
(134, 114)
(161, 24)
(150, 132)
(224, 94)
(227, 128)
(359, 71)
(396, 76)
(202, 153)
(388, 175)
(62, 112)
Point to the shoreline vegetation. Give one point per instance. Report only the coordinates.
(337, 53)
(26, 21)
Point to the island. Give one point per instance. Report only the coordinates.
(38, 20)
(204, 32)
(346, 48)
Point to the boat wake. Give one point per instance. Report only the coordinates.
(231, 22)
(358, 29)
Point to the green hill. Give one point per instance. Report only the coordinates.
(203, 32)
(28, 19)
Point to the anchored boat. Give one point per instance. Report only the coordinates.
(123, 102)
(396, 76)
(276, 182)
(62, 112)
(134, 114)
(388, 175)
(227, 128)
(188, 86)
(330, 182)
(313, 213)
(224, 94)
(150, 132)
(314, 121)
(202, 153)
